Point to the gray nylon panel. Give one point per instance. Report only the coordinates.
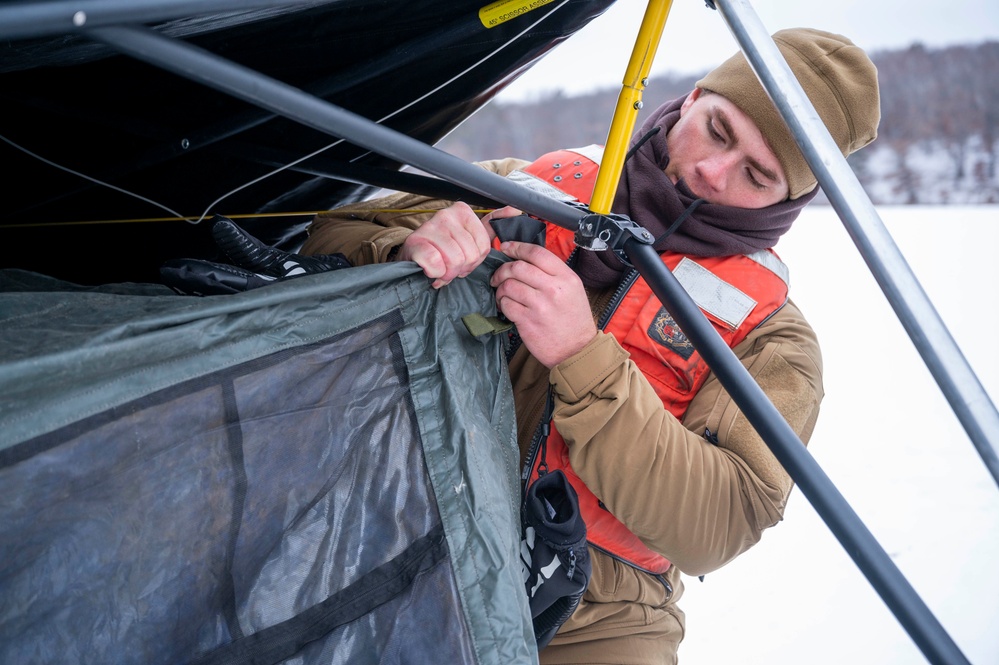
(160, 454)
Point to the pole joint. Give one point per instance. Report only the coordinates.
(598, 232)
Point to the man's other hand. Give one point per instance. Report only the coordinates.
(545, 299)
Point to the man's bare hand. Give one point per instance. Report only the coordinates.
(545, 299)
(452, 243)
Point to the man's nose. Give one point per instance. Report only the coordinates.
(717, 168)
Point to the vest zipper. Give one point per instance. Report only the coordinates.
(544, 427)
(661, 577)
(622, 289)
(540, 437)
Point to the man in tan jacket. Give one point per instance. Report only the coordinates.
(647, 429)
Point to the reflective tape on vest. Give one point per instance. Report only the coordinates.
(713, 294)
(536, 184)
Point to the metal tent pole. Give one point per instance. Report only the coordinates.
(920, 319)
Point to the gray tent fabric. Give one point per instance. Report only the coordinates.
(319, 471)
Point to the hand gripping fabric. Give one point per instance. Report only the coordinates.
(253, 264)
(553, 553)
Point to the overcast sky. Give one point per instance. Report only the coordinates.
(696, 38)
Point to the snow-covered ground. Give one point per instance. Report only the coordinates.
(892, 445)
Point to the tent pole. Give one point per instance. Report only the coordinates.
(629, 103)
(946, 362)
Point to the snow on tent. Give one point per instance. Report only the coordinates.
(320, 471)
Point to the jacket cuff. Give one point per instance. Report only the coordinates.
(383, 242)
(579, 374)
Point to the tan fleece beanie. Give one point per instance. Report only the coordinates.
(840, 81)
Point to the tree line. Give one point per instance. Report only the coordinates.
(937, 142)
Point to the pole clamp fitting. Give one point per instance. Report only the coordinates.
(599, 232)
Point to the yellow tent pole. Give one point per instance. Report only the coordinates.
(629, 102)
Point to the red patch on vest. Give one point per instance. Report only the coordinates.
(664, 331)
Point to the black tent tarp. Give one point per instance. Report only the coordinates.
(77, 113)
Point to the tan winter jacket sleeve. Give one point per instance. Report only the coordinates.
(698, 503)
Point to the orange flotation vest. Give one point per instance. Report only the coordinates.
(736, 293)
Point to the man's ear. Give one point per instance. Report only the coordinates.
(691, 98)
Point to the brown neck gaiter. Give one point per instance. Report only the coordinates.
(646, 195)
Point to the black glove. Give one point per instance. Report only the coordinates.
(254, 264)
(552, 528)
(522, 228)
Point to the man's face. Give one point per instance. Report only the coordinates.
(722, 156)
